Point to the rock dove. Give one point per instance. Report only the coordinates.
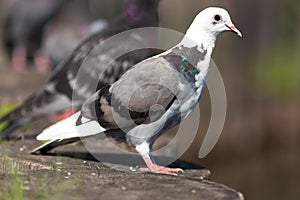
(56, 94)
(150, 98)
(23, 29)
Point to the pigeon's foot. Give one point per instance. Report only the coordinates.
(62, 115)
(18, 60)
(162, 170)
(143, 149)
(42, 63)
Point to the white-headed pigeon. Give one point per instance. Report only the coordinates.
(150, 98)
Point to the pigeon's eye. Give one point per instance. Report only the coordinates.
(217, 18)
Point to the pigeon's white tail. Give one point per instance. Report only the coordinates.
(71, 128)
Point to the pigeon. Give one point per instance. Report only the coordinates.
(151, 97)
(55, 95)
(23, 29)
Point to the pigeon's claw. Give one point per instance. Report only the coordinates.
(162, 170)
(154, 168)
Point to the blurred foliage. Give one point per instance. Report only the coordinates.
(13, 190)
(5, 108)
(278, 72)
(291, 20)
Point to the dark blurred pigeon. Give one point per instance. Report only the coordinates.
(150, 98)
(56, 94)
(60, 40)
(23, 29)
(74, 23)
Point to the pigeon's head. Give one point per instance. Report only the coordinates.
(142, 12)
(214, 21)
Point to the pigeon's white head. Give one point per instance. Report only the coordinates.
(209, 23)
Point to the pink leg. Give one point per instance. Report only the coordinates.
(18, 59)
(42, 62)
(152, 167)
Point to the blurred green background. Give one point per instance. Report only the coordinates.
(258, 152)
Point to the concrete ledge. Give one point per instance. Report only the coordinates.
(69, 177)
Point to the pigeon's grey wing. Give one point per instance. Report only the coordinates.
(107, 62)
(42, 103)
(141, 95)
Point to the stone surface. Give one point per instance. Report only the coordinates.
(69, 176)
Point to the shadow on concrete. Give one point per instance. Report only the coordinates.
(122, 159)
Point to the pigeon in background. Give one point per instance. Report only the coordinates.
(151, 97)
(55, 95)
(60, 40)
(23, 30)
(74, 24)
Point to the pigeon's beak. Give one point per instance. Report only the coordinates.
(234, 29)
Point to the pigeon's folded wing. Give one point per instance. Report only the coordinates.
(142, 95)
